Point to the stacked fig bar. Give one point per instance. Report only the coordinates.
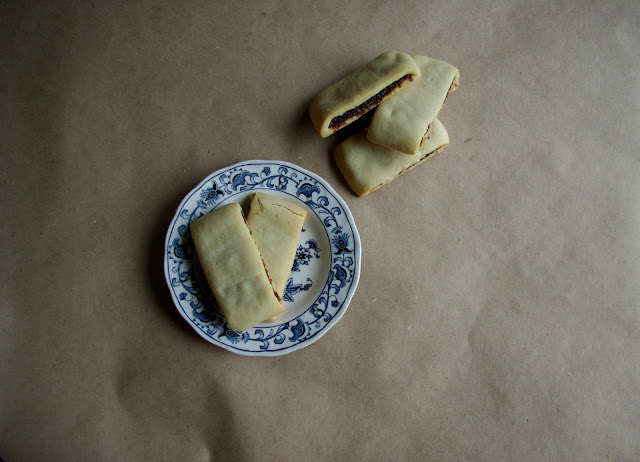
(407, 93)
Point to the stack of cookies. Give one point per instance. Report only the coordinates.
(407, 92)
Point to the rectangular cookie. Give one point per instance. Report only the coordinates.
(367, 166)
(234, 268)
(362, 90)
(276, 225)
(401, 122)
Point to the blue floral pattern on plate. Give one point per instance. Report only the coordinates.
(325, 272)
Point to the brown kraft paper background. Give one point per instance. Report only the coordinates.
(497, 314)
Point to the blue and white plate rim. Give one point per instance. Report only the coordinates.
(296, 341)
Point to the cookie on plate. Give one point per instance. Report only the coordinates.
(276, 225)
(234, 268)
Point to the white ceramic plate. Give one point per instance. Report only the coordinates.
(324, 275)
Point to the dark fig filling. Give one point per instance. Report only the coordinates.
(426, 135)
(341, 120)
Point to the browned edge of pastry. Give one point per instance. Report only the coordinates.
(452, 88)
(422, 159)
(426, 135)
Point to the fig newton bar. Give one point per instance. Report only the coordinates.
(234, 268)
(401, 122)
(276, 225)
(362, 90)
(367, 166)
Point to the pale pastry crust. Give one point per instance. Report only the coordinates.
(359, 87)
(367, 166)
(234, 268)
(276, 225)
(401, 122)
